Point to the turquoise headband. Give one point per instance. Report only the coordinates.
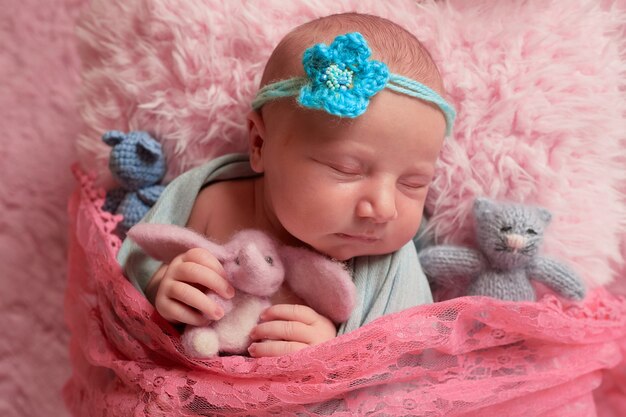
(341, 79)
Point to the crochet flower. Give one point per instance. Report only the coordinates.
(341, 77)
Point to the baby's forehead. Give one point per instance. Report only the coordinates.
(390, 115)
(397, 48)
(347, 71)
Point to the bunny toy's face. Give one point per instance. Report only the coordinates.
(254, 265)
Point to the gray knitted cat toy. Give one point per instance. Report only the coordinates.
(509, 237)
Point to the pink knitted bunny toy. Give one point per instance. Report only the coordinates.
(256, 266)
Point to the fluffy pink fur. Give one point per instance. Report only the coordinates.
(536, 85)
(39, 68)
(541, 120)
(39, 73)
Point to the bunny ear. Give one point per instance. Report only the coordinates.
(113, 137)
(166, 241)
(325, 285)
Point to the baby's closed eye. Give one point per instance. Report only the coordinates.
(347, 168)
(414, 182)
(416, 185)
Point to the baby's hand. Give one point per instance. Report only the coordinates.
(180, 292)
(287, 328)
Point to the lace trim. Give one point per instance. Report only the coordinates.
(467, 356)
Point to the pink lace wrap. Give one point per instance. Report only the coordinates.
(469, 356)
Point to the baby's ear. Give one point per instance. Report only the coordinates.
(256, 140)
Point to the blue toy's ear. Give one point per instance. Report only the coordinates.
(113, 137)
(147, 147)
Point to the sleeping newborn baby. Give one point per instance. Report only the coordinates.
(343, 139)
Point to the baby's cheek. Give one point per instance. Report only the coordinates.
(302, 213)
(408, 224)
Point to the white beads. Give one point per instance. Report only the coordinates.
(338, 77)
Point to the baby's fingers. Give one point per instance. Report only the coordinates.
(291, 312)
(294, 323)
(180, 292)
(292, 331)
(173, 311)
(205, 258)
(274, 348)
(199, 267)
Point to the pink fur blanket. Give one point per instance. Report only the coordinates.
(39, 69)
(538, 87)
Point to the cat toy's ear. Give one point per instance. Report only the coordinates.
(483, 205)
(544, 215)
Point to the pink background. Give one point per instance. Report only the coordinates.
(39, 72)
(39, 69)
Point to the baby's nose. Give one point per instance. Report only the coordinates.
(515, 241)
(379, 205)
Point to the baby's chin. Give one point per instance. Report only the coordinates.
(344, 254)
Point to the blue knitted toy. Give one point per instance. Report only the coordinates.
(138, 165)
(509, 237)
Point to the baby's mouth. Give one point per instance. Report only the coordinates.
(366, 238)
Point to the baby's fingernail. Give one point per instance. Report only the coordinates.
(252, 349)
(230, 292)
(219, 313)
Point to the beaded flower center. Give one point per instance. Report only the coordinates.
(338, 77)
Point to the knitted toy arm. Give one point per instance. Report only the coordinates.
(150, 195)
(558, 277)
(113, 200)
(442, 264)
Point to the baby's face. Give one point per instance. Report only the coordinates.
(350, 187)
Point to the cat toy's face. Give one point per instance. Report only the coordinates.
(509, 235)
